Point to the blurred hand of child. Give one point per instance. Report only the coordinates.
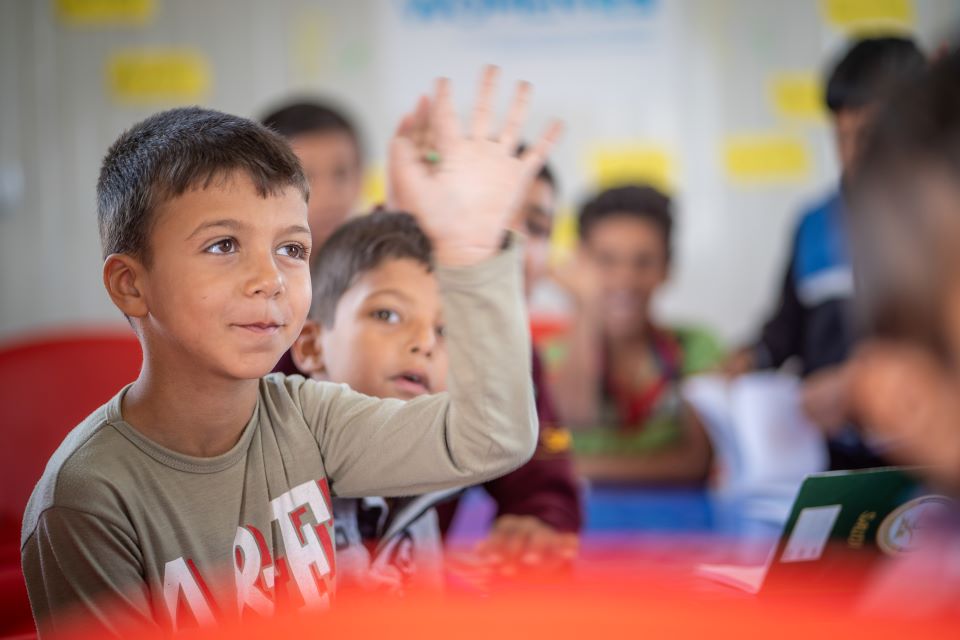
(464, 186)
(518, 543)
(909, 400)
(826, 398)
(580, 279)
(738, 363)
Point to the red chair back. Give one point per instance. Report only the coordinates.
(48, 384)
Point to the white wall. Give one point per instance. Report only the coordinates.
(682, 74)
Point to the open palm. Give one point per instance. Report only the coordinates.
(464, 187)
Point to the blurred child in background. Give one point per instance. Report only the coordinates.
(327, 143)
(619, 379)
(906, 374)
(907, 255)
(812, 323)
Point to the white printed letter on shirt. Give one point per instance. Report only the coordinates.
(249, 553)
(181, 577)
(305, 554)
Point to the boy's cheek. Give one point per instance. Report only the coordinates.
(300, 296)
(440, 371)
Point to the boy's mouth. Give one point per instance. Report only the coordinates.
(261, 328)
(412, 382)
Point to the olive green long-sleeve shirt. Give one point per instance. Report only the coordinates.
(128, 533)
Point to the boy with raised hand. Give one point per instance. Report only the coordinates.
(201, 491)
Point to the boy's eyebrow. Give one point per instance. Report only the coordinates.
(395, 292)
(227, 222)
(296, 228)
(234, 224)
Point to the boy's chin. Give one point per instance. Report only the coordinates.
(254, 368)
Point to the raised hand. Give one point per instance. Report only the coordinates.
(464, 186)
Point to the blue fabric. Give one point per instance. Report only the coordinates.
(821, 240)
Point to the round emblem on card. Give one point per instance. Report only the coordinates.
(906, 527)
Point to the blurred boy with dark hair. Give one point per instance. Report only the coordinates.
(328, 146)
(620, 379)
(812, 322)
(905, 228)
(906, 233)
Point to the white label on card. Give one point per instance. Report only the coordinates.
(810, 534)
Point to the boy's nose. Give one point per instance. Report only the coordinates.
(424, 340)
(266, 279)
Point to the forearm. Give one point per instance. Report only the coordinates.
(577, 384)
(492, 422)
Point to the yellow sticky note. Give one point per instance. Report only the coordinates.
(858, 15)
(797, 95)
(158, 76)
(105, 12)
(766, 157)
(622, 163)
(374, 190)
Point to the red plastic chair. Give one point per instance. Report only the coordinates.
(48, 384)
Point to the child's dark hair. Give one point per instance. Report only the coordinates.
(869, 70)
(635, 201)
(174, 151)
(304, 117)
(360, 245)
(903, 257)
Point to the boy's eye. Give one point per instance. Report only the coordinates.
(441, 331)
(227, 245)
(537, 229)
(387, 315)
(294, 250)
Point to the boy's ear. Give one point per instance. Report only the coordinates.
(123, 277)
(306, 350)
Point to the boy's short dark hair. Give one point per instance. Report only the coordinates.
(636, 201)
(174, 151)
(869, 70)
(902, 255)
(304, 117)
(359, 246)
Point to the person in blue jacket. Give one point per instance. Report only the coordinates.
(812, 324)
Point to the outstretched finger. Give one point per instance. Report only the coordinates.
(516, 115)
(534, 157)
(444, 126)
(413, 124)
(482, 114)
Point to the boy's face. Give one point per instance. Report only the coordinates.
(387, 335)
(535, 220)
(331, 162)
(631, 260)
(849, 128)
(228, 286)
